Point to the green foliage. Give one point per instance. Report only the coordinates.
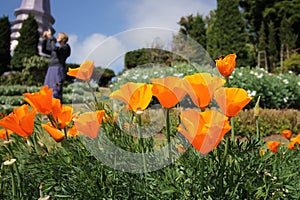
(4, 44)
(292, 63)
(32, 74)
(272, 50)
(68, 170)
(149, 56)
(228, 33)
(27, 43)
(194, 27)
(271, 122)
(276, 91)
(102, 76)
(34, 71)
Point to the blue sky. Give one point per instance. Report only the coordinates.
(99, 29)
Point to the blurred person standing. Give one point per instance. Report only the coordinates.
(57, 69)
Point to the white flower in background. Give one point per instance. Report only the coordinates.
(256, 74)
(290, 72)
(231, 77)
(285, 99)
(279, 77)
(251, 93)
(285, 81)
(155, 72)
(178, 75)
(251, 72)
(260, 75)
(145, 76)
(298, 83)
(240, 74)
(134, 77)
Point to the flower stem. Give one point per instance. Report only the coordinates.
(13, 181)
(258, 138)
(168, 133)
(98, 106)
(232, 129)
(141, 140)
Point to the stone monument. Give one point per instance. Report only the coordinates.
(40, 9)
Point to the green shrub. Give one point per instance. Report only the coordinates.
(292, 63)
(35, 69)
(276, 91)
(271, 122)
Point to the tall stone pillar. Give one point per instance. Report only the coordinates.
(42, 12)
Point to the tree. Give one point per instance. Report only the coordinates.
(190, 42)
(27, 43)
(272, 46)
(287, 37)
(194, 27)
(4, 44)
(229, 32)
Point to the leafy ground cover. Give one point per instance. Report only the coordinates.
(51, 159)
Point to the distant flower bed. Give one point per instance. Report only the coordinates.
(276, 91)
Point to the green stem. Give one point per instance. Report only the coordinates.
(232, 129)
(13, 181)
(94, 96)
(258, 138)
(168, 133)
(141, 140)
(201, 178)
(10, 151)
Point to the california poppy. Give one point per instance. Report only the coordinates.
(41, 101)
(169, 91)
(3, 133)
(204, 130)
(89, 123)
(20, 121)
(137, 96)
(84, 72)
(231, 100)
(56, 134)
(287, 134)
(72, 132)
(273, 146)
(226, 65)
(201, 87)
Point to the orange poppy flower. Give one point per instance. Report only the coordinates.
(84, 72)
(65, 117)
(287, 134)
(137, 96)
(88, 123)
(201, 87)
(169, 91)
(204, 130)
(72, 132)
(231, 100)
(56, 108)
(3, 133)
(20, 121)
(56, 134)
(273, 146)
(226, 65)
(295, 140)
(41, 101)
(291, 145)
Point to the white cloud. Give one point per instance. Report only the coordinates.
(104, 51)
(147, 20)
(164, 13)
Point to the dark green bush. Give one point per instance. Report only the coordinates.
(292, 63)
